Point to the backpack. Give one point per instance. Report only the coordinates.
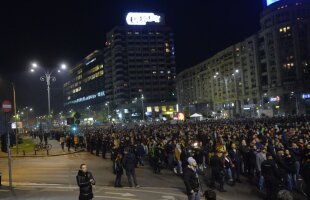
(210, 195)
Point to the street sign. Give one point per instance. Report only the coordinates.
(7, 106)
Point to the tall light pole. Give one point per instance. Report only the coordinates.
(235, 74)
(142, 104)
(107, 105)
(226, 85)
(27, 110)
(49, 79)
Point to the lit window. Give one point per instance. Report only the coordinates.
(156, 108)
(149, 109)
(168, 72)
(167, 50)
(164, 108)
(154, 72)
(161, 72)
(284, 29)
(167, 45)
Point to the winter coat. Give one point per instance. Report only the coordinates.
(118, 167)
(83, 181)
(191, 180)
(129, 162)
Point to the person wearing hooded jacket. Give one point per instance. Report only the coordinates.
(85, 181)
(191, 180)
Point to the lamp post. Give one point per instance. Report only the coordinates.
(49, 79)
(226, 86)
(226, 78)
(107, 105)
(235, 74)
(142, 104)
(27, 110)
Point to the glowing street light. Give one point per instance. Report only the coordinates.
(34, 65)
(48, 78)
(63, 66)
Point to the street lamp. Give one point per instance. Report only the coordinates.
(48, 78)
(27, 110)
(235, 74)
(107, 105)
(142, 104)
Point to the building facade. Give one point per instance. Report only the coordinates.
(267, 71)
(140, 68)
(86, 85)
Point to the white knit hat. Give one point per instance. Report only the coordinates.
(191, 160)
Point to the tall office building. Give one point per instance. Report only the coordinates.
(140, 68)
(284, 54)
(267, 71)
(86, 85)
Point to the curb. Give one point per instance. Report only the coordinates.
(42, 156)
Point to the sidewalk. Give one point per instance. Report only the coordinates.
(55, 151)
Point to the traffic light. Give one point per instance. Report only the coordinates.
(77, 117)
(70, 121)
(74, 128)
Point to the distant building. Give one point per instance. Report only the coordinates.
(86, 85)
(269, 70)
(140, 68)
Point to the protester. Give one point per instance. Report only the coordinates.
(85, 181)
(129, 164)
(245, 143)
(118, 168)
(191, 180)
(270, 173)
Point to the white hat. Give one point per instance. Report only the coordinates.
(191, 160)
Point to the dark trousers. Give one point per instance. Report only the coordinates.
(272, 189)
(104, 152)
(97, 151)
(118, 180)
(131, 176)
(63, 146)
(217, 177)
(236, 172)
(140, 161)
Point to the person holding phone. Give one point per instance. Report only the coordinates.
(85, 181)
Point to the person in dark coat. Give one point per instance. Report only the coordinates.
(191, 180)
(217, 170)
(235, 156)
(140, 154)
(85, 180)
(104, 147)
(306, 173)
(271, 176)
(129, 164)
(118, 169)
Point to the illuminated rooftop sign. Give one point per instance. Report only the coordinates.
(87, 98)
(136, 18)
(306, 96)
(269, 2)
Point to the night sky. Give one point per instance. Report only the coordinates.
(55, 31)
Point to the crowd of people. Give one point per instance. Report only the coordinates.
(272, 153)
